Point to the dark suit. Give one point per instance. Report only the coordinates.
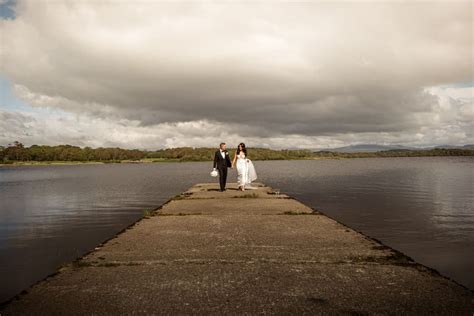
(221, 164)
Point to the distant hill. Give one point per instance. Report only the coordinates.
(468, 146)
(375, 148)
(366, 148)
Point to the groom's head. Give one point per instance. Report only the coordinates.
(222, 146)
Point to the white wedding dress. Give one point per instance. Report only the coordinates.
(245, 171)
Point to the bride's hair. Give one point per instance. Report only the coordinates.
(243, 149)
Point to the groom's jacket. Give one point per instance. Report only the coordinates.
(220, 162)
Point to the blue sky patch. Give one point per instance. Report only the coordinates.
(463, 85)
(7, 99)
(10, 102)
(7, 10)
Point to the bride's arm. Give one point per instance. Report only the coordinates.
(235, 158)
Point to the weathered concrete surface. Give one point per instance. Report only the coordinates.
(210, 252)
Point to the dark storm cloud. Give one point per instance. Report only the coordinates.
(314, 69)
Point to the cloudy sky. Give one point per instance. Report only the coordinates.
(150, 74)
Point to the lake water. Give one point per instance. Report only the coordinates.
(50, 215)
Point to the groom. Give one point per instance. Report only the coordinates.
(222, 162)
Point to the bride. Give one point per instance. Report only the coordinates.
(245, 169)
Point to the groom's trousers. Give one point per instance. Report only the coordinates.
(222, 177)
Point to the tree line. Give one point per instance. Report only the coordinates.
(17, 152)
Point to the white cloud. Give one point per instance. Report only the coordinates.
(449, 121)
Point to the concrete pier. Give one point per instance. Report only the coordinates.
(252, 252)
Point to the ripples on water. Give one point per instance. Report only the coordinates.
(421, 206)
(53, 214)
(49, 215)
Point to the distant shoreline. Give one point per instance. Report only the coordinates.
(16, 154)
(76, 162)
(147, 161)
